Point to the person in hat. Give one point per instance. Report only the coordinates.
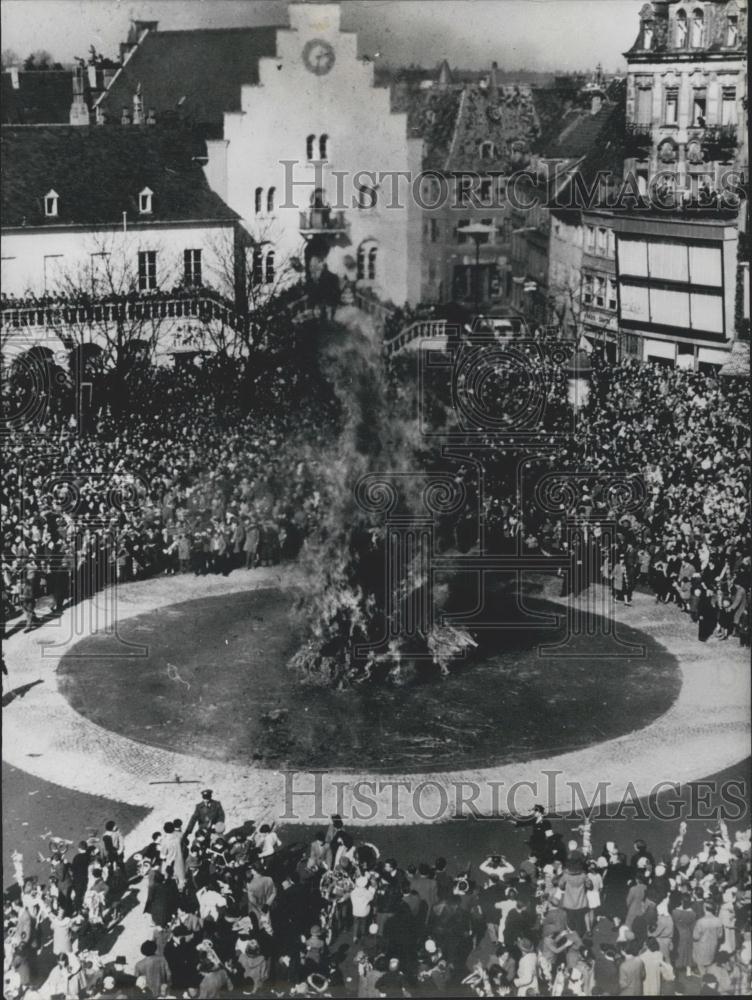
(539, 825)
(207, 813)
(118, 972)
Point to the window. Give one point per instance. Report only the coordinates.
(323, 147)
(144, 201)
(270, 199)
(600, 291)
(147, 270)
(367, 261)
(698, 23)
(310, 146)
(269, 268)
(485, 191)
(487, 151)
(258, 200)
(53, 272)
(590, 238)
(462, 237)
(257, 267)
(728, 106)
(647, 34)
(587, 289)
(681, 29)
(435, 230)
(699, 104)
(50, 204)
(192, 267)
(644, 109)
(732, 30)
(671, 116)
(611, 293)
(603, 241)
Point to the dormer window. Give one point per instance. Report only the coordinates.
(647, 35)
(487, 151)
(145, 201)
(50, 204)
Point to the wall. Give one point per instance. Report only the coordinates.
(69, 253)
(291, 103)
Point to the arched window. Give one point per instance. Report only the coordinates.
(269, 268)
(310, 145)
(323, 146)
(698, 23)
(367, 261)
(258, 200)
(681, 29)
(270, 199)
(487, 151)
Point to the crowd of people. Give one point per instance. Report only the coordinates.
(682, 535)
(174, 486)
(236, 911)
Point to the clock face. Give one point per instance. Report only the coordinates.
(318, 56)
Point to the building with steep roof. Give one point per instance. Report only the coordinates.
(99, 212)
(300, 141)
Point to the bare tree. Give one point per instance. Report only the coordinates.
(9, 57)
(111, 299)
(265, 290)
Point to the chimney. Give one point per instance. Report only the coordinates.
(101, 115)
(91, 70)
(493, 82)
(142, 26)
(596, 103)
(138, 107)
(151, 118)
(14, 77)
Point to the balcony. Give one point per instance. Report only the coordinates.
(719, 144)
(323, 221)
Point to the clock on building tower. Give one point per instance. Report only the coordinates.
(318, 56)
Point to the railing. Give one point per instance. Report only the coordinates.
(421, 329)
(371, 305)
(202, 307)
(323, 220)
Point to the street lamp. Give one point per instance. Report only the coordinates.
(478, 233)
